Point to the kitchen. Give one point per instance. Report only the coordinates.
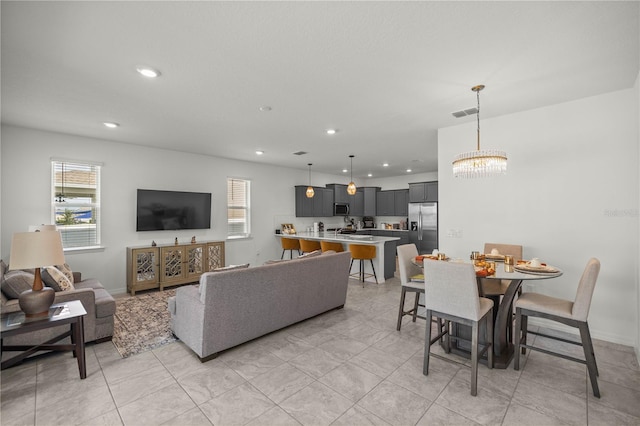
(406, 215)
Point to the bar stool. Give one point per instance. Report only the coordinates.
(330, 245)
(363, 252)
(307, 246)
(290, 244)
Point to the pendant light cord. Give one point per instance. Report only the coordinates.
(478, 114)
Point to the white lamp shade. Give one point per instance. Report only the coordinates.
(36, 249)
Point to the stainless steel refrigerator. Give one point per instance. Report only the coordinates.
(423, 226)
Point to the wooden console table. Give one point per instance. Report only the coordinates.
(166, 265)
(17, 323)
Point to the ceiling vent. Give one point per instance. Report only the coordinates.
(300, 153)
(465, 112)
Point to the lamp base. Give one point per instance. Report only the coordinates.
(36, 303)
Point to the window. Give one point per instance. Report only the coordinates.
(238, 208)
(75, 193)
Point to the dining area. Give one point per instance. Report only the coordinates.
(478, 311)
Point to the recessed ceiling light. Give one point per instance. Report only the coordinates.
(385, 164)
(369, 175)
(331, 131)
(258, 152)
(111, 124)
(265, 108)
(344, 170)
(408, 170)
(148, 72)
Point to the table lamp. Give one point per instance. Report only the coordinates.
(35, 250)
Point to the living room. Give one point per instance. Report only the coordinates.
(572, 192)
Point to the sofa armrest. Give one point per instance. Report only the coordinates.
(187, 322)
(88, 299)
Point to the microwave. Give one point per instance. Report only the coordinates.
(340, 209)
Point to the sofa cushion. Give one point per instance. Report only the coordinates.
(15, 282)
(231, 267)
(56, 279)
(310, 254)
(105, 303)
(92, 283)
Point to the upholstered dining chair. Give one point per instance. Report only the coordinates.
(495, 288)
(307, 246)
(290, 244)
(451, 293)
(573, 314)
(412, 280)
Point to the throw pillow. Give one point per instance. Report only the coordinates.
(15, 282)
(231, 267)
(311, 254)
(55, 279)
(66, 270)
(271, 262)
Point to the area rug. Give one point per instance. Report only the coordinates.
(141, 322)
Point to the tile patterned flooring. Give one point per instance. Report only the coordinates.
(345, 367)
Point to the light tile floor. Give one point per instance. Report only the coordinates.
(345, 367)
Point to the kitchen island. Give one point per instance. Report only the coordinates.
(385, 261)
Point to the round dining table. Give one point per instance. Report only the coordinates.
(502, 346)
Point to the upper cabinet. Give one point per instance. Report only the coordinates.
(321, 205)
(340, 194)
(392, 203)
(370, 198)
(423, 192)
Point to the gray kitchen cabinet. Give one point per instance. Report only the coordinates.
(370, 197)
(385, 203)
(321, 205)
(403, 235)
(356, 203)
(401, 202)
(340, 194)
(423, 192)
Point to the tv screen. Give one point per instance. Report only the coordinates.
(172, 210)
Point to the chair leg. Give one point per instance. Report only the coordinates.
(589, 356)
(525, 327)
(427, 344)
(374, 272)
(516, 343)
(489, 340)
(282, 257)
(362, 272)
(400, 314)
(474, 358)
(415, 306)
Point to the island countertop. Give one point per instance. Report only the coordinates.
(341, 238)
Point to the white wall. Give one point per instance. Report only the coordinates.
(637, 90)
(26, 176)
(571, 193)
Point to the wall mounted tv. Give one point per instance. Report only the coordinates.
(172, 210)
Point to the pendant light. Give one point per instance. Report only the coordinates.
(310, 192)
(480, 163)
(351, 188)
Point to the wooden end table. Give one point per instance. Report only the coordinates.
(16, 323)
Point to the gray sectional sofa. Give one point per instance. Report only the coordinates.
(99, 304)
(232, 307)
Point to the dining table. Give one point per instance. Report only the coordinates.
(503, 348)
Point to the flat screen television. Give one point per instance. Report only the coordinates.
(172, 210)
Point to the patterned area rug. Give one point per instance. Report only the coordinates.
(141, 322)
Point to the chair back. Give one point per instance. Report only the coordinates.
(586, 286)
(308, 246)
(362, 252)
(510, 249)
(406, 252)
(331, 245)
(451, 287)
(290, 243)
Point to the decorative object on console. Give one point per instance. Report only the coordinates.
(35, 250)
(193, 239)
(480, 163)
(351, 188)
(310, 192)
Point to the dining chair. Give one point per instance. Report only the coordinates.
(451, 293)
(573, 314)
(412, 280)
(307, 246)
(496, 288)
(290, 244)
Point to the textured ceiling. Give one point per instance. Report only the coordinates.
(387, 75)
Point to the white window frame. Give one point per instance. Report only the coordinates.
(244, 204)
(95, 205)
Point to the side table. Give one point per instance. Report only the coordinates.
(16, 323)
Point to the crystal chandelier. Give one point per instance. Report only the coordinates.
(351, 188)
(480, 163)
(310, 192)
